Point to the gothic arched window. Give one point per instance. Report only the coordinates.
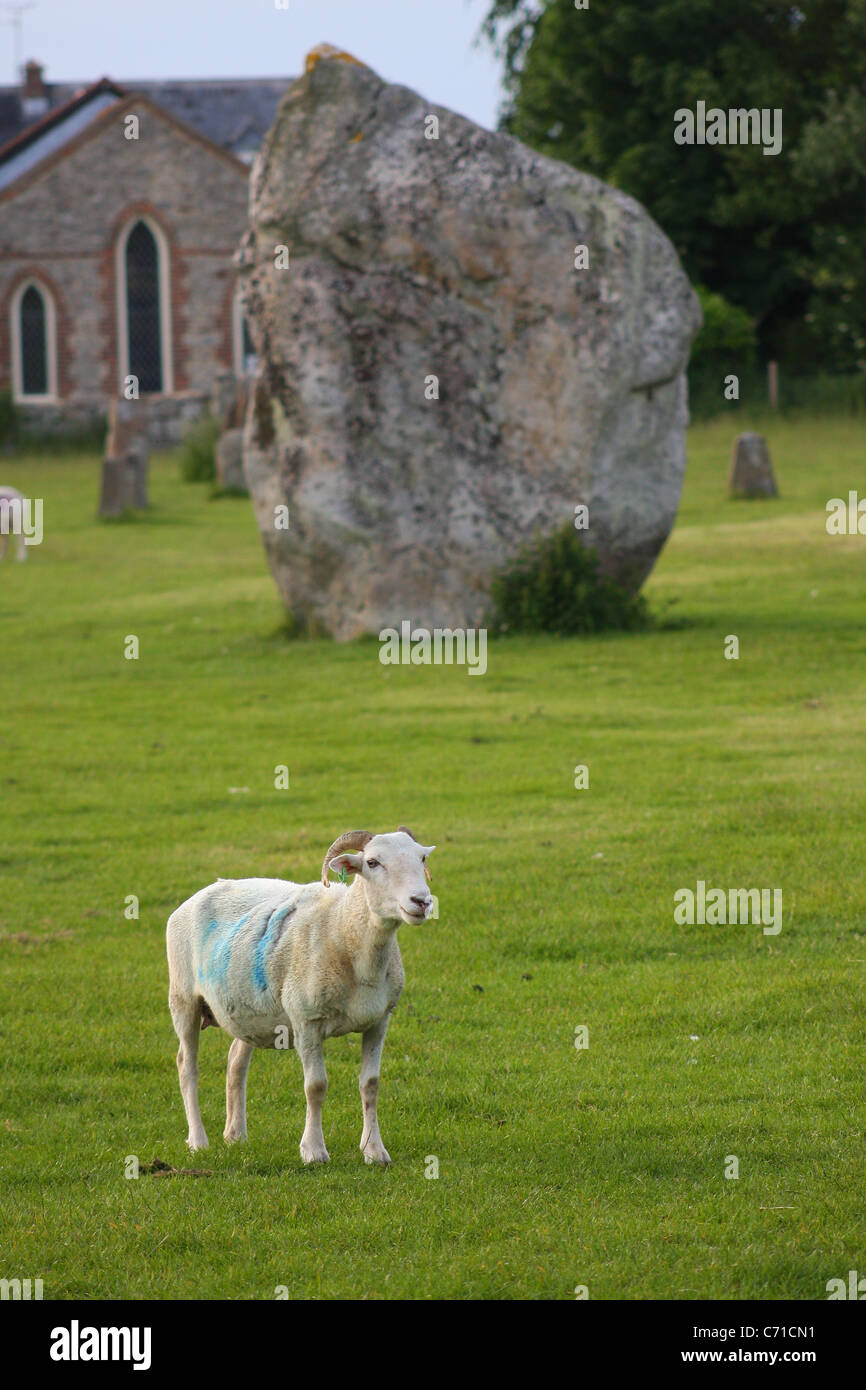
(143, 308)
(33, 331)
(34, 343)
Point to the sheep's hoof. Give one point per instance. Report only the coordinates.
(234, 1136)
(197, 1141)
(378, 1155)
(314, 1153)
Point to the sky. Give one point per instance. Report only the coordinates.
(425, 44)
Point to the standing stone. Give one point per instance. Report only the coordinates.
(228, 400)
(751, 470)
(127, 446)
(127, 421)
(229, 456)
(113, 499)
(442, 369)
(137, 466)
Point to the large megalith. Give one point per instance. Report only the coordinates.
(460, 342)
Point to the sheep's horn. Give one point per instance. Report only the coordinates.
(351, 840)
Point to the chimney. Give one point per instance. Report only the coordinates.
(34, 94)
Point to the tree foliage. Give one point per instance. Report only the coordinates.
(781, 236)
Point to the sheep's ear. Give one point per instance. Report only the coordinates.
(350, 862)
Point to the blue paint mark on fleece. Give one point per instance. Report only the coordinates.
(218, 964)
(208, 932)
(265, 941)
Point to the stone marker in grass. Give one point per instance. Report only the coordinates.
(229, 459)
(112, 500)
(126, 463)
(751, 470)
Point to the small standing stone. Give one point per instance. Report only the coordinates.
(125, 467)
(751, 469)
(113, 500)
(137, 461)
(228, 399)
(229, 455)
(127, 421)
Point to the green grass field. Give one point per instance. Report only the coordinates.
(603, 1167)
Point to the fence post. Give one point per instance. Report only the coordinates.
(773, 384)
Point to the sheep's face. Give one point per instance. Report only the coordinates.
(395, 875)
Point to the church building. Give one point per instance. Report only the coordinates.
(121, 207)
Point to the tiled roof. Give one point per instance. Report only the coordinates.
(232, 112)
(235, 113)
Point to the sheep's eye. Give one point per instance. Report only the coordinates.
(373, 864)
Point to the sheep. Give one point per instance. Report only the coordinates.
(281, 964)
(12, 501)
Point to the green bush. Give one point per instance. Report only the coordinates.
(725, 345)
(727, 333)
(554, 585)
(197, 460)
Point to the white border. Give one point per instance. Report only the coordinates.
(163, 270)
(50, 396)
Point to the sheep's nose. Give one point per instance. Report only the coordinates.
(423, 903)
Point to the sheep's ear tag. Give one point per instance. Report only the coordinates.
(342, 875)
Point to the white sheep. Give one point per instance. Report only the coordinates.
(280, 964)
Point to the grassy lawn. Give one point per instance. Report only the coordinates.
(603, 1167)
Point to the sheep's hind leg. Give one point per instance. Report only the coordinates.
(240, 1053)
(372, 1148)
(308, 1046)
(186, 1016)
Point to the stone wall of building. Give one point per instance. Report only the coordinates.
(168, 418)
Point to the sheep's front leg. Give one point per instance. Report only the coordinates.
(308, 1045)
(372, 1148)
(240, 1053)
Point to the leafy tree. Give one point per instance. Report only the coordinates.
(831, 163)
(598, 88)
